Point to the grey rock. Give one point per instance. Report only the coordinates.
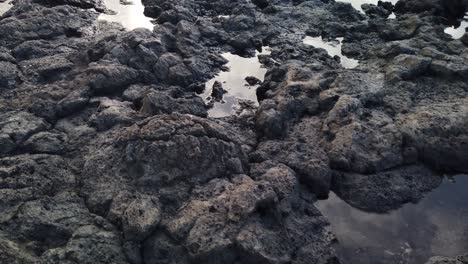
(86, 245)
(136, 93)
(407, 67)
(162, 102)
(111, 78)
(385, 191)
(46, 68)
(9, 75)
(217, 91)
(111, 113)
(139, 215)
(19, 126)
(47, 142)
(462, 259)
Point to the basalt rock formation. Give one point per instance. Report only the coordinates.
(107, 153)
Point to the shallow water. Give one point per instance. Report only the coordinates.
(234, 83)
(437, 225)
(458, 32)
(333, 48)
(130, 14)
(5, 6)
(357, 3)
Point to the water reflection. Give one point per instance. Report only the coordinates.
(357, 3)
(458, 31)
(234, 83)
(333, 48)
(5, 6)
(128, 13)
(437, 225)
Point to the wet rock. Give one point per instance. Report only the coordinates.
(48, 175)
(437, 7)
(5, 55)
(9, 75)
(436, 135)
(137, 49)
(450, 68)
(401, 29)
(44, 23)
(252, 80)
(19, 126)
(180, 75)
(49, 222)
(46, 68)
(407, 67)
(261, 3)
(214, 237)
(217, 91)
(269, 121)
(139, 215)
(462, 259)
(372, 10)
(6, 143)
(346, 148)
(98, 5)
(47, 142)
(132, 171)
(111, 78)
(152, 11)
(12, 252)
(163, 102)
(72, 103)
(208, 240)
(385, 191)
(299, 152)
(164, 63)
(135, 93)
(86, 245)
(111, 113)
(287, 94)
(203, 149)
(160, 248)
(35, 49)
(396, 48)
(464, 39)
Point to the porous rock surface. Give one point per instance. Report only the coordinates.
(107, 154)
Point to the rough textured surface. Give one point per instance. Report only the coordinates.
(107, 153)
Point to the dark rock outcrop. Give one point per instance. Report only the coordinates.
(108, 155)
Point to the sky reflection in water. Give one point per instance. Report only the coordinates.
(458, 32)
(234, 82)
(455, 32)
(357, 3)
(130, 15)
(5, 6)
(333, 47)
(437, 225)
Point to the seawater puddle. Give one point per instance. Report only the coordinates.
(5, 6)
(333, 47)
(437, 225)
(233, 81)
(458, 31)
(357, 3)
(129, 13)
